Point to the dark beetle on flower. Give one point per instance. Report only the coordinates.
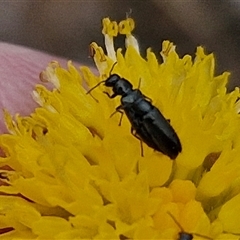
(148, 124)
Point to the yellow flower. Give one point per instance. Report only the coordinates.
(73, 173)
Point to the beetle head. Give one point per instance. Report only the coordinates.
(120, 86)
(112, 80)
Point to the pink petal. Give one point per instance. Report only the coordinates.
(19, 73)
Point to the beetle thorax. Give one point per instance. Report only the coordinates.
(122, 87)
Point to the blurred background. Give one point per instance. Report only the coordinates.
(65, 28)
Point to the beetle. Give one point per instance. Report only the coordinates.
(148, 123)
(182, 235)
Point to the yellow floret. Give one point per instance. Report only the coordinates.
(68, 171)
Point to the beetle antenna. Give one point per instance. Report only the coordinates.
(95, 87)
(175, 220)
(110, 72)
(90, 90)
(139, 83)
(94, 98)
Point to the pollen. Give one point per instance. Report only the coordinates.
(73, 170)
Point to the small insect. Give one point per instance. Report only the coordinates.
(185, 235)
(148, 124)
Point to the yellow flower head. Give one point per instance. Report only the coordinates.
(74, 173)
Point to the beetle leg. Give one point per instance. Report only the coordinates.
(119, 109)
(134, 133)
(94, 98)
(110, 96)
(149, 99)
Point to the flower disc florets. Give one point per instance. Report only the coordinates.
(73, 173)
